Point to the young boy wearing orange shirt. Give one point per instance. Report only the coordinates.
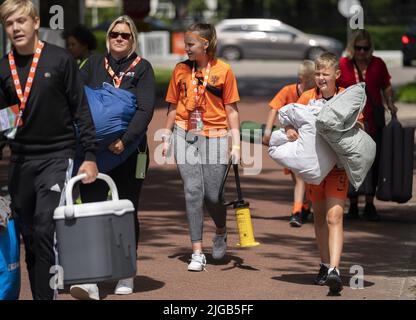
(290, 94)
(328, 199)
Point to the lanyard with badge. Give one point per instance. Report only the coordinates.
(195, 119)
(117, 80)
(11, 118)
(141, 165)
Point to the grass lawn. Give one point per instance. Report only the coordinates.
(407, 93)
(162, 80)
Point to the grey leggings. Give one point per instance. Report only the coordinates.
(202, 163)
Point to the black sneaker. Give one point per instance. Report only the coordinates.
(296, 220)
(370, 212)
(353, 212)
(322, 275)
(334, 282)
(305, 215)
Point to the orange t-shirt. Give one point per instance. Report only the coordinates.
(288, 94)
(313, 94)
(181, 93)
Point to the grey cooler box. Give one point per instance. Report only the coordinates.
(96, 241)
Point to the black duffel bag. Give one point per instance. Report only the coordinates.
(396, 164)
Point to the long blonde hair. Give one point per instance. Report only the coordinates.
(359, 35)
(128, 21)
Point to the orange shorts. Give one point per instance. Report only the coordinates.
(335, 185)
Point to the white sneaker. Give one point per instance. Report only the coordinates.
(85, 292)
(219, 248)
(198, 263)
(125, 287)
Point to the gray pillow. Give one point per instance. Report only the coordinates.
(337, 124)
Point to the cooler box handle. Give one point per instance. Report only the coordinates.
(74, 180)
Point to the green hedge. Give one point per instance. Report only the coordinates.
(384, 37)
(101, 41)
(407, 93)
(387, 37)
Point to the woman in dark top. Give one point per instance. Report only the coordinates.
(122, 68)
(361, 65)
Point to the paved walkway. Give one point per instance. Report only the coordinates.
(285, 264)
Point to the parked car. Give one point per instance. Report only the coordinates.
(409, 45)
(270, 39)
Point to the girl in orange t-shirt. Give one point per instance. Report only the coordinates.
(291, 94)
(202, 97)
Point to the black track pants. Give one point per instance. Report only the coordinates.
(36, 191)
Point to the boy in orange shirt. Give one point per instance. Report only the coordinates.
(291, 94)
(202, 99)
(328, 199)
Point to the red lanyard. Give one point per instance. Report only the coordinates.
(200, 93)
(117, 80)
(23, 96)
(357, 74)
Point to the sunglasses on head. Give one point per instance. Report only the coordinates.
(359, 48)
(124, 36)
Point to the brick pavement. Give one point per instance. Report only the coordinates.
(285, 264)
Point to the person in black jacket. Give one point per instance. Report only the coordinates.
(122, 68)
(43, 81)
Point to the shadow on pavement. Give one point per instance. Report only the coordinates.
(382, 249)
(308, 279)
(377, 247)
(236, 262)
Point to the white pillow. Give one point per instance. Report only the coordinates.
(309, 157)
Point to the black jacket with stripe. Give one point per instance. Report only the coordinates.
(57, 101)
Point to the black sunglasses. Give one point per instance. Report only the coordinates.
(124, 36)
(359, 48)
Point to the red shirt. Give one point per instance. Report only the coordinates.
(377, 78)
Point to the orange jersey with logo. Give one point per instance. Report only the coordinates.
(288, 94)
(313, 94)
(221, 81)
